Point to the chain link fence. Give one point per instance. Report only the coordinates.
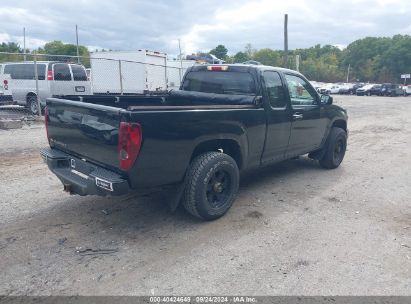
(27, 80)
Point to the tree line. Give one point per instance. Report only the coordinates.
(374, 59)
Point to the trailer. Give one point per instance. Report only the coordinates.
(128, 72)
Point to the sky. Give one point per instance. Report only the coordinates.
(200, 25)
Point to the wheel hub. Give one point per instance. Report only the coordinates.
(218, 187)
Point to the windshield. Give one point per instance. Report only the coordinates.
(220, 82)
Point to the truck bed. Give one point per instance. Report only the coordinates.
(88, 129)
(174, 100)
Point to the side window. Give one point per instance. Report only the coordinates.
(24, 71)
(274, 89)
(62, 72)
(79, 73)
(300, 92)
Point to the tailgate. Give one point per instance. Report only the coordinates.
(85, 130)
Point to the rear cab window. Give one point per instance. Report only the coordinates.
(25, 71)
(220, 82)
(61, 72)
(79, 73)
(274, 89)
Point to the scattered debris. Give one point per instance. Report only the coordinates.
(254, 214)
(405, 245)
(357, 212)
(302, 263)
(90, 251)
(105, 211)
(62, 241)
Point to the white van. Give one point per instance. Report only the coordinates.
(54, 79)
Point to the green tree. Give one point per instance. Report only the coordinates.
(396, 60)
(60, 48)
(241, 57)
(10, 47)
(220, 51)
(267, 57)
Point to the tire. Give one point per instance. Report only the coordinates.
(212, 183)
(32, 104)
(335, 146)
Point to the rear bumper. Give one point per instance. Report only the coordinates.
(81, 177)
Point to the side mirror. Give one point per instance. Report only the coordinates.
(326, 100)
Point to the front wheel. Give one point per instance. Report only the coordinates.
(335, 148)
(211, 185)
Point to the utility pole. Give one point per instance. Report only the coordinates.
(24, 43)
(348, 72)
(286, 40)
(78, 55)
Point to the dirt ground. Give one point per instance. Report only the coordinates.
(295, 229)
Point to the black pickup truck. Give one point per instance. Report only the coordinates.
(225, 119)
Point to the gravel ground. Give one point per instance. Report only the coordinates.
(295, 229)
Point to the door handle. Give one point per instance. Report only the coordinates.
(298, 116)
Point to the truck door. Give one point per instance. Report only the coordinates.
(307, 128)
(278, 118)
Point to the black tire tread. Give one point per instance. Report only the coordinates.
(193, 174)
(327, 159)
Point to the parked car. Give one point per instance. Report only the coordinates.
(54, 79)
(205, 58)
(356, 87)
(316, 85)
(224, 119)
(254, 62)
(329, 89)
(365, 90)
(389, 89)
(344, 88)
(5, 90)
(375, 90)
(407, 90)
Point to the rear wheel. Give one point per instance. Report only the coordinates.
(32, 104)
(335, 149)
(211, 185)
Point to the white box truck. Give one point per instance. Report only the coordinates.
(140, 70)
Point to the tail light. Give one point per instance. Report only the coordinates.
(217, 68)
(5, 82)
(50, 75)
(46, 121)
(129, 142)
